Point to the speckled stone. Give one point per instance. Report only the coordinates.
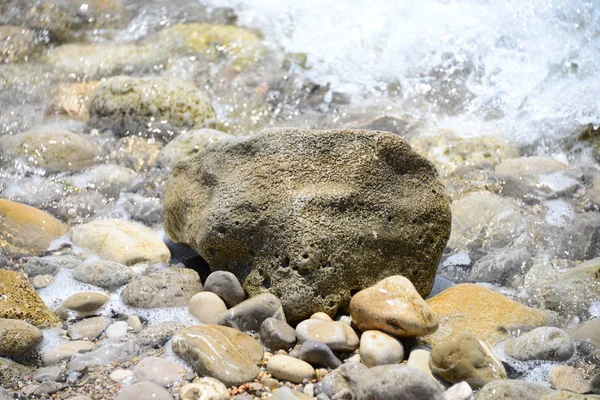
(171, 287)
(17, 337)
(395, 382)
(159, 334)
(106, 274)
(42, 281)
(544, 343)
(565, 377)
(513, 389)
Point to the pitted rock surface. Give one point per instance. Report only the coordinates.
(311, 215)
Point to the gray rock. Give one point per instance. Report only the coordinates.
(47, 374)
(226, 286)
(160, 371)
(285, 393)
(227, 203)
(11, 373)
(544, 343)
(588, 335)
(89, 328)
(250, 314)
(159, 334)
(171, 287)
(81, 207)
(595, 384)
(47, 387)
(117, 349)
(4, 395)
(317, 353)
(145, 106)
(339, 379)
(395, 382)
(140, 208)
(49, 265)
(17, 337)
(277, 335)
(144, 390)
(103, 273)
(512, 389)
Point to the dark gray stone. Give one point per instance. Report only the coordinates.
(159, 334)
(277, 335)
(317, 353)
(250, 314)
(49, 265)
(395, 382)
(338, 380)
(103, 273)
(225, 285)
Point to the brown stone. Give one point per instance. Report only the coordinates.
(72, 100)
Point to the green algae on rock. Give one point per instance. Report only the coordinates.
(21, 301)
(149, 107)
(311, 216)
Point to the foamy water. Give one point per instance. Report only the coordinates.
(519, 69)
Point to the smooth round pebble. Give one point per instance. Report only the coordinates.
(225, 285)
(42, 281)
(285, 393)
(106, 274)
(277, 335)
(565, 377)
(378, 348)
(47, 374)
(117, 329)
(322, 316)
(205, 389)
(336, 335)
(88, 329)
(206, 307)
(317, 353)
(250, 314)
(17, 337)
(160, 371)
(135, 323)
(121, 375)
(544, 343)
(459, 391)
(85, 302)
(144, 390)
(66, 351)
(290, 369)
(419, 359)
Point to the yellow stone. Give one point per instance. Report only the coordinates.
(25, 230)
(18, 300)
(486, 314)
(73, 100)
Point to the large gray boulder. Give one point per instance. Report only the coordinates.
(311, 216)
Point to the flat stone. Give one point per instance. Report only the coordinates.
(89, 328)
(339, 379)
(290, 369)
(117, 329)
(336, 335)
(206, 307)
(25, 230)
(48, 387)
(395, 382)
(544, 343)
(47, 374)
(250, 314)
(462, 357)
(121, 376)
(588, 334)
(378, 348)
(488, 315)
(121, 241)
(277, 335)
(21, 301)
(49, 265)
(144, 390)
(107, 179)
(319, 354)
(394, 306)
(17, 337)
(118, 349)
(42, 281)
(219, 352)
(171, 287)
(85, 303)
(205, 388)
(106, 274)
(139, 154)
(160, 371)
(64, 352)
(565, 377)
(570, 396)
(226, 286)
(135, 323)
(158, 334)
(285, 393)
(513, 389)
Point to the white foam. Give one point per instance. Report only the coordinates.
(559, 212)
(460, 258)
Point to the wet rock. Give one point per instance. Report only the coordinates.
(116, 329)
(205, 388)
(144, 390)
(206, 307)
(121, 241)
(147, 211)
(377, 348)
(250, 314)
(89, 328)
(395, 382)
(107, 179)
(48, 387)
(25, 230)
(80, 207)
(118, 349)
(21, 301)
(486, 314)
(171, 287)
(35, 191)
(51, 148)
(393, 306)
(47, 374)
(42, 281)
(587, 334)
(504, 266)
(49, 265)
(317, 353)
(512, 389)
(226, 286)
(299, 263)
(277, 335)
(339, 379)
(160, 371)
(106, 274)
(544, 343)
(12, 373)
(219, 352)
(290, 369)
(144, 106)
(336, 335)
(189, 143)
(17, 44)
(159, 334)
(462, 357)
(64, 352)
(564, 377)
(85, 303)
(72, 100)
(136, 152)
(460, 391)
(17, 337)
(419, 358)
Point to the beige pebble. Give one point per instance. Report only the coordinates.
(290, 369)
(378, 348)
(121, 376)
(135, 323)
(66, 351)
(42, 281)
(205, 389)
(206, 307)
(336, 335)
